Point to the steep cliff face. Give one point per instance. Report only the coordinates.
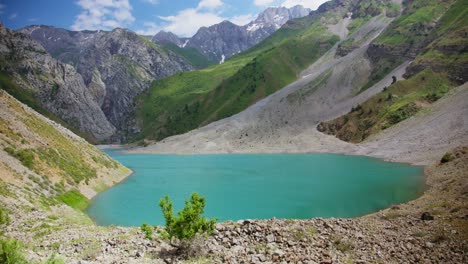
(116, 66)
(27, 69)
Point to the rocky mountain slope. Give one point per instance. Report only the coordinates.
(336, 84)
(221, 41)
(47, 176)
(435, 70)
(116, 66)
(52, 87)
(189, 100)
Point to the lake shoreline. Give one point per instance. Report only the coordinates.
(212, 176)
(395, 234)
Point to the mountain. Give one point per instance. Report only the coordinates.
(406, 60)
(48, 171)
(163, 37)
(49, 86)
(187, 100)
(116, 66)
(273, 18)
(221, 41)
(437, 46)
(178, 45)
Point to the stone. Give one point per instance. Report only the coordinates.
(426, 216)
(262, 257)
(270, 238)
(278, 252)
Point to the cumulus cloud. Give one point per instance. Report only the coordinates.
(263, 2)
(312, 4)
(150, 29)
(13, 16)
(242, 19)
(153, 2)
(210, 4)
(103, 14)
(186, 22)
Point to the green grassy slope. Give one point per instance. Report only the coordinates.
(192, 55)
(405, 36)
(439, 65)
(188, 100)
(397, 103)
(448, 51)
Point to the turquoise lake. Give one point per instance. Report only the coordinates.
(256, 186)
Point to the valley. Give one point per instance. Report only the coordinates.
(256, 113)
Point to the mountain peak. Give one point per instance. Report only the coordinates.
(164, 37)
(275, 17)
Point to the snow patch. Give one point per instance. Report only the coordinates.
(278, 18)
(185, 43)
(254, 27)
(222, 59)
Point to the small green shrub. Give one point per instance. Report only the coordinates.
(446, 158)
(75, 200)
(53, 259)
(148, 230)
(25, 156)
(342, 244)
(4, 217)
(402, 113)
(189, 222)
(11, 252)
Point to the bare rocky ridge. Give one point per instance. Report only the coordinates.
(116, 66)
(56, 86)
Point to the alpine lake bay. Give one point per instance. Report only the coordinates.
(256, 186)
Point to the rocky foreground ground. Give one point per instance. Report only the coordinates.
(431, 229)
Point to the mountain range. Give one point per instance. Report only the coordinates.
(117, 86)
(221, 41)
(385, 79)
(112, 67)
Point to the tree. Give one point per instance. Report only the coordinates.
(189, 222)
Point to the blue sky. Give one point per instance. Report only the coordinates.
(182, 17)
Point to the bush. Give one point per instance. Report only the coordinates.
(189, 222)
(25, 156)
(11, 252)
(4, 217)
(148, 230)
(53, 259)
(446, 158)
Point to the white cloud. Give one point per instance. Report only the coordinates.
(242, 19)
(103, 14)
(151, 28)
(13, 16)
(186, 22)
(153, 2)
(312, 4)
(210, 4)
(263, 2)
